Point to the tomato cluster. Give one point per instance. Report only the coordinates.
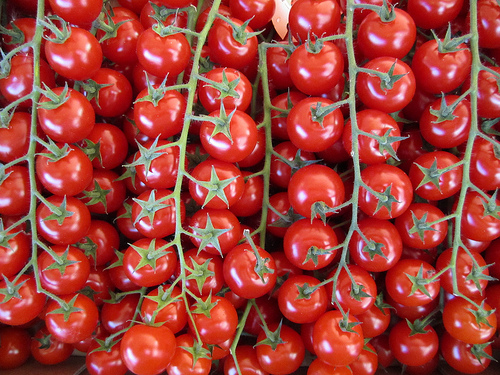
(184, 188)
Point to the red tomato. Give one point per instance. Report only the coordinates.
(189, 358)
(102, 360)
(14, 347)
(314, 18)
(77, 12)
(47, 350)
(434, 14)
(460, 355)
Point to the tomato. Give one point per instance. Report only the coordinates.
(165, 305)
(440, 72)
(19, 82)
(71, 120)
(382, 126)
(149, 262)
(58, 280)
(315, 185)
(317, 71)
(269, 313)
(259, 12)
(20, 30)
(281, 170)
(463, 357)
(301, 300)
(488, 13)
(220, 184)
(318, 367)
(434, 14)
(154, 213)
(333, 343)
(430, 177)
(189, 357)
(314, 124)
(384, 246)
(14, 347)
(162, 119)
(308, 244)
(228, 50)
(314, 18)
(47, 350)
(389, 95)
(147, 350)
(250, 203)
(248, 364)
(77, 12)
(461, 320)
(366, 363)
(375, 320)
(479, 221)
(404, 282)
(78, 57)
(411, 312)
(247, 275)
(163, 55)
(464, 265)
(15, 250)
(14, 139)
(415, 228)
(231, 137)
(102, 360)
(68, 174)
(413, 347)
(14, 190)
(286, 357)
(106, 145)
(62, 220)
(394, 186)
(106, 192)
(236, 93)
(73, 319)
(116, 314)
(277, 68)
(214, 318)
(395, 38)
(484, 164)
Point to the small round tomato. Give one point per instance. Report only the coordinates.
(14, 137)
(72, 319)
(186, 360)
(15, 187)
(246, 355)
(335, 343)
(77, 12)
(146, 349)
(463, 357)
(47, 350)
(14, 347)
(407, 282)
(434, 14)
(15, 251)
(249, 272)
(105, 359)
(484, 164)
(480, 221)
(314, 18)
(315, 185)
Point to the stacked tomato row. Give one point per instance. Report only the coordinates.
(182, 190)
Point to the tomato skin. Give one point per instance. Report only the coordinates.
(55, 353)
(392, 99)
(304, 234)
(416, 349)
(113, 145)
(302, 310)
(15, 191)
(250, 203)
(314, 183)
(484, 165)
(68, 176)
(398, 284)
(227, 51)
(334, 346)
(287, 357)
(173, 315)
(70, 122)
(74, 277)
(221, 323)
(162, 56)
(281, 172)
(240, 275)
(78, 58)
(375, 321)
(277, 67)
(463, 267)
(247, 362)
(460, 322)
(434, 14)
(377, 38)
(476, 224)
(375, 122)
(260, 12)
(148, 276)
(102, 362)
(116, 316)
(487, 25)
(78, 326)
(316, 73)
(72, 229)
(438, 72)
(235, 148)
(459, 356)
(314, 17)
(16, 254)
(366, 363)
(378, 231)
(14, 348)
(14, 139)
(147, 350)
(183, 363)
(164, 120)
(449, 183)
(308, 134)
(88, 10)
(380, 177)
